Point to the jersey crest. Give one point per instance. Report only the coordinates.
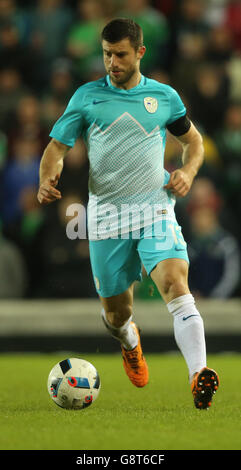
(151, 104)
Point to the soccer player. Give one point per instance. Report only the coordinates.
(123, 118)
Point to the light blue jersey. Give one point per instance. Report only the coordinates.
(125, 133)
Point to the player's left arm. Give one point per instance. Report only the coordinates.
(192, 158)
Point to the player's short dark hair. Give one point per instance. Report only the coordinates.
(122, 28)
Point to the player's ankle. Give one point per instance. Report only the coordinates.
(192, 377)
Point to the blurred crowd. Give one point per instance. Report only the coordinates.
(50, 47)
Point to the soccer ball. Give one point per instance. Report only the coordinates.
(73, 383)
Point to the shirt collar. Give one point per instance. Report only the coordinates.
(121, 90)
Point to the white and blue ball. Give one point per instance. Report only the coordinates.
(74, 383)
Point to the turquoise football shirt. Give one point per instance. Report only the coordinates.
(125, 134)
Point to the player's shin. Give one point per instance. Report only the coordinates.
(189, 332)
(126, 334)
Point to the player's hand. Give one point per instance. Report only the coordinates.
(47, 192)
(179, 183)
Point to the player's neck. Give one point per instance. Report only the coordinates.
(132, 83)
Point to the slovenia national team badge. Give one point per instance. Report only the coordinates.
(151, 104)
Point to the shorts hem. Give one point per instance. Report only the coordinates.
(117, 291)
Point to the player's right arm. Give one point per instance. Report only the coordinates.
(51, 166)
(64, 135)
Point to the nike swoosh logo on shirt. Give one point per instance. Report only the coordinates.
(100, 101)
(189, 316)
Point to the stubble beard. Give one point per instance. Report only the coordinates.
(124, 77)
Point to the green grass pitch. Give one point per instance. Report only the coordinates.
(160, 416)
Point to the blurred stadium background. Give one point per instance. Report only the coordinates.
(47, 49)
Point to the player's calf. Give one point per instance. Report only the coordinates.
(124, 333)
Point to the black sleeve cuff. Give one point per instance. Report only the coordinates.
(180, 126)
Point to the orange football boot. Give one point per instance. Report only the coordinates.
(203, 387)
(135, 364)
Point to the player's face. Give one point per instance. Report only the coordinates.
(122, 61)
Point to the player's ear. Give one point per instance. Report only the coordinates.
(141, 52)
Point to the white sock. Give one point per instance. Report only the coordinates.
(126, 334)
(189, 332)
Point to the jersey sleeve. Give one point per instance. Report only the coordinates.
(70, 125)
(177, 108)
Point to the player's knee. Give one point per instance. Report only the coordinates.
(174, 286)
(119, 316)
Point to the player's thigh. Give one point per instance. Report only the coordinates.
(164, 255)
(115, 266)
(171, 278)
